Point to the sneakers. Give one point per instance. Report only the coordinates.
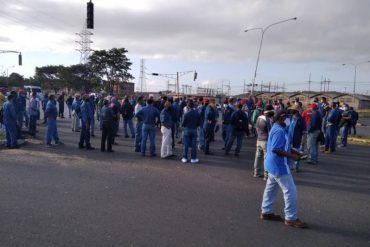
(184, 160)
(194, 161)
(295, 223)
(49, 146)
(272, 217)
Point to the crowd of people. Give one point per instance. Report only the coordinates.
(286, 134)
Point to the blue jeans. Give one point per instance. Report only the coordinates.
(189, 139)
(130, 125)
(69, 110)
(148, 130)
(201, 138)
(52, 132)
(286, 184)
(177, 127)
(344, 135)
(313, 145)
(20, 117)
(11, 135)
(138, 136)
(85, 134)
(226, 133)
(239, 141)
(331, 138)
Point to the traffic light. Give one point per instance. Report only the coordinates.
(20, 59)
(195, 75)
(90, 15)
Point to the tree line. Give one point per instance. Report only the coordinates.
(104, 70)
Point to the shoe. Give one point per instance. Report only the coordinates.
(272, 217)
(90, 148)
(236, 155)
(184, 160)
(81, 146)
(327, 152)
(258, 176)
(194, 161)
(59, 144)
(14, 147)
(311, 162)
(102, 150)
(295, 223)
(92, 135)
(223, 148)
(126, 136)
(208, 153)
(49, 146)
(153, 155)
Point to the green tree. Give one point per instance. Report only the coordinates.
(15, 80)
(50, 77)
(110, 67)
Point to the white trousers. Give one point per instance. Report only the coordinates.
(166, 149)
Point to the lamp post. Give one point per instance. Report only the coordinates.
(263, 30)
(354, 78)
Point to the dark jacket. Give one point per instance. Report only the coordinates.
(191, 119)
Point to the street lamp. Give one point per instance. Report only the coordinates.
(263, 30)
(354, 78)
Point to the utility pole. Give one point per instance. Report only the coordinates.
(309, 85)
(270, 89)
(328, 84)
(321, 84)
(142, 74)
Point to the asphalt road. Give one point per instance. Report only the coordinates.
(69, 197)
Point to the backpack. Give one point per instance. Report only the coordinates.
(240, 123)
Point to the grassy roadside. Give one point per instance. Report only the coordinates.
(362, 140)
(2, 136)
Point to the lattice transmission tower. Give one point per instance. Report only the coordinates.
(84, 44)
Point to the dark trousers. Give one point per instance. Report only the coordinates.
(209, 135)
(331, 138)
(239, 141)
(106, 137)
(32, 124)
(85, 134)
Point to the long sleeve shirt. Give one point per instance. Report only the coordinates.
(191, 119)
(166, 118)
(10, 116)
(149, 114)
(51, 110)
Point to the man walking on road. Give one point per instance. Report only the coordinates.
(107, 121)
(278, 153)
(86, 118)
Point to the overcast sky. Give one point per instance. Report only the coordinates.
(203, 35)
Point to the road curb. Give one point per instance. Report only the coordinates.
(359, 140)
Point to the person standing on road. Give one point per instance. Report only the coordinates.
(354, 119)
(34, 110)
(43, 105)
(344, 126)
(76, 113)
(332, 124)
(226, 124)
(139, 124)
(107, 121)
(191, 122)
(51, 115)
(92, 104)
(210, 117)
(149, 114)
(69, 103)
(278, 153)
(239, 127)
(263, 126)
(166, 130)
(61, 105)
(127, 116)
(86, 118)
(10, 122)
(313, 131)
(297, 131)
